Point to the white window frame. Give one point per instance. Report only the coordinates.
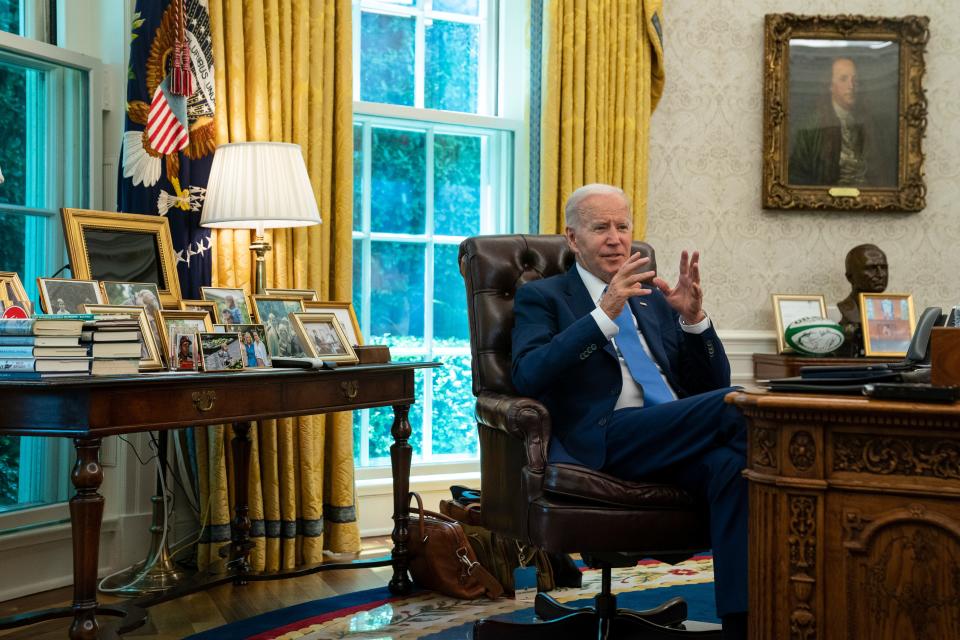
(38, 453)
(507, 45)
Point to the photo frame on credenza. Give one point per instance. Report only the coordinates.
(63, 296)
(323, 337)
(888, 322)
(122, 247)
(347, 317)
(150, 357)
(788, 307)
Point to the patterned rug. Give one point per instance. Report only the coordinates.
(374, 614)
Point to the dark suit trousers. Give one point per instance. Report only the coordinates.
(700, 444)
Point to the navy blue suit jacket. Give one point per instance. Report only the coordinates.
(561, 358)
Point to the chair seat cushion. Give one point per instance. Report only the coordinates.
(575, 481)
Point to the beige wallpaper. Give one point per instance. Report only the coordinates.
(705, 169)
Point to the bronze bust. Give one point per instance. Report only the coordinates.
(866, 270)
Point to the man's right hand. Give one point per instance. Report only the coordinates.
(626, 283)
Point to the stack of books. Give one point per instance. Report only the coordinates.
(115, 343)
(43, 346)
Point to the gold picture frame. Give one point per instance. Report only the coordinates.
(812, 64)
(888, 322)
(11, 288)
(210, 306)
(343, 309)
(322, 337)
(166, 337)
(152, 361)
(307, 295)
(789, 307)
(98, 240)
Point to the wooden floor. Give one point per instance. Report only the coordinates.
(214, 607)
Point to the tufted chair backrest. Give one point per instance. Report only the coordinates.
(493, 267)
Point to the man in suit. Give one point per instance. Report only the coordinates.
(634, 378)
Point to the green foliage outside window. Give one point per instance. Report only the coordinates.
(9, 470)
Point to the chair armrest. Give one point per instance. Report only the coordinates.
(523, 418)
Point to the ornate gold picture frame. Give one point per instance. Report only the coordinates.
(322, 337)
(343, 309)
(844, 112)
(122, 247)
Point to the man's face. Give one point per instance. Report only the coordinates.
(870, 276)
(601, 240)
(843, 85)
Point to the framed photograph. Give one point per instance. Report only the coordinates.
(188, 352)
(174, 323)
(231, 305)
(273, 312)
(150, 358)
(122, 247)
(62, 296)
(304, 294)
(137, 294)
(12, 293)
(790, 307)
(345, 315)
(844, 112)
(323, 336)
(888, 323)
(253, 340)
(201, 305)
(220, 351)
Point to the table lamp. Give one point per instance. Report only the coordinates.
(259, 185)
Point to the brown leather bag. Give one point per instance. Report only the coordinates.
(442, 560)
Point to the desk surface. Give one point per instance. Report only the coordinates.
(100, 406)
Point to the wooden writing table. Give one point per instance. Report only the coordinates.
(768, 366)
(854, 517)
(87, 409)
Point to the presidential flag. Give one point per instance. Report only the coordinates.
(168, 140)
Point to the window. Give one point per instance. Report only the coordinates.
(45, 151)
(434, 163)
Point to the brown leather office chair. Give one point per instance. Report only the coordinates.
(562, 508)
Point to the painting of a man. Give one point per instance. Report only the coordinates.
(843, 132)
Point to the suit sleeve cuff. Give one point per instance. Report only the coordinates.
(607, 326)
(696, 329)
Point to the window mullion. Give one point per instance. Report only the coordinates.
(428, 298)
(420, 63)
(365, 276)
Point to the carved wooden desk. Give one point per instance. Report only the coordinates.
(854, 517)
(86, 409)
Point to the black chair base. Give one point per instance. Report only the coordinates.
(604, 620)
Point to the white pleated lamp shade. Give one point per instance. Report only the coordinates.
(259, 185)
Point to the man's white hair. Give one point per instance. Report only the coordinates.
(573, 208)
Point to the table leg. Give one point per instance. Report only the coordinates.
(400, 456)
(86, 514)
(240, 544)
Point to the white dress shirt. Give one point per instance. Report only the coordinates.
(631, 394)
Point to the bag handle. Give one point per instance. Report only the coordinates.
(423, 531)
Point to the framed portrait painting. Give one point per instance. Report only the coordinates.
(788, 308)
(844, 112)
(888, 323)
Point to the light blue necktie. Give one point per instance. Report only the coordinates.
(642, 368)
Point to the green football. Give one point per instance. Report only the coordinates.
(814, 336)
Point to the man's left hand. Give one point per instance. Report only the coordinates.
(686, 297)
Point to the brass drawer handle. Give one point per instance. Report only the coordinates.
(203, 400)
(350, 389)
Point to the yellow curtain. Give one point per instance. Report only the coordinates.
(602, 79)
(284, 73)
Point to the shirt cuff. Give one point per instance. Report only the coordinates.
(697, 328)
(607, 326)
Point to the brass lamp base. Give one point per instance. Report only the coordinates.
(159, 576)
(260, 246)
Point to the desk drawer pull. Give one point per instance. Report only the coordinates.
(350, 389)
(203, 400)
